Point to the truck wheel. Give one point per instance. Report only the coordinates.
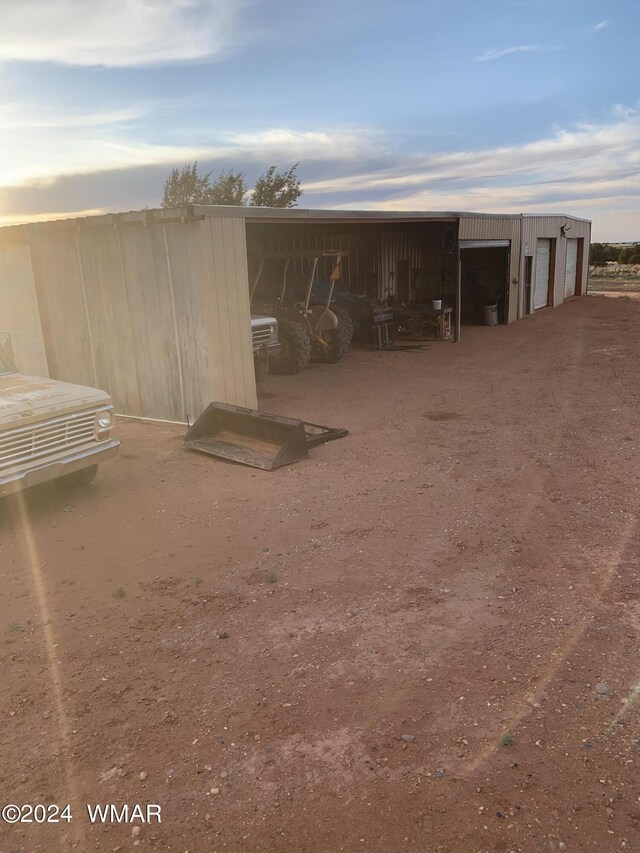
(79, 478)
(295, 348)
(337, 341)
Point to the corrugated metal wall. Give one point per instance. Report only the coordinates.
(19, 317)
(153, 310)
(311, 241)
(548, 227)
(499, 228)
(153, 306)
(224, 285)
(372, 254)
(393, 247)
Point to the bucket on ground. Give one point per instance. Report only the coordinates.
(490, 315)
(255, 438)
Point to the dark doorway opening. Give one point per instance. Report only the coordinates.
(528, 281)
(484, 281)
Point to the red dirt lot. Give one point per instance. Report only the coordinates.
(424, 638)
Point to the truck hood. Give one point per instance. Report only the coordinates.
(25, 399)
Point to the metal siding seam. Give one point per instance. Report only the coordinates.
(125, 292)
(240, 292)
(86, 308)
(175, 321)
(233, 297)
(227, 253)
(219, 261)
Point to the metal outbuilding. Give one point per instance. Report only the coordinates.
(154, 307)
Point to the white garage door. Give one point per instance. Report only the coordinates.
(543, 264)
(571, 268)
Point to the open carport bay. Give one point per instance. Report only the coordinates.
(423, 638)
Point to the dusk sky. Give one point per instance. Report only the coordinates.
(492, 105)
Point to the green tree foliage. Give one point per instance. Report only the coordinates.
(276, 189)
(602, 252)
(272, 189)
(228, 188)
(627, 253)
(186, 186)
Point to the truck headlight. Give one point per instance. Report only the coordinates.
(103, 424)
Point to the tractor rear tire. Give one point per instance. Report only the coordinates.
(337, 341)
(344, 317)
(295, 348)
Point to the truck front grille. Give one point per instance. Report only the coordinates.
(21, 445)
(260, 336)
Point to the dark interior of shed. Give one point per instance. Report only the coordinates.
(402, 265)
(484, 274)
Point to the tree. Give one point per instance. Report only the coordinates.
(627, 253)
(272, 189)
(276, 189)
(229, 188)
(186, 186)
(599, 253)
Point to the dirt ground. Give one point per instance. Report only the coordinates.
(616, 294)
(424, 638)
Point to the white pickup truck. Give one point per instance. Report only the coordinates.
(264, 338)
(51, 429)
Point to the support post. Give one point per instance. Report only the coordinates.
(458, 293)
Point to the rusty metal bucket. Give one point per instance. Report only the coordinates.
(255, 438)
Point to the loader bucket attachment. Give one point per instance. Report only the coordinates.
(255, 438)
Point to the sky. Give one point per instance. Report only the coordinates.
(492, 105)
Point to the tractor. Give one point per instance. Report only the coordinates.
(309, 327)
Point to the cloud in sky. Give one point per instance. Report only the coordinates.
(592, 166)
(48, 217)
(601, 25)
(498, 53)
(588, 155)
(115, 32)
(14, 117)
(329, 144)
(39, 145)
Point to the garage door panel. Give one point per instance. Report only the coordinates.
(571, 268)
(543, 266)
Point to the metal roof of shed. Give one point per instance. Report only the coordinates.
(275, 215)
(259, 214)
